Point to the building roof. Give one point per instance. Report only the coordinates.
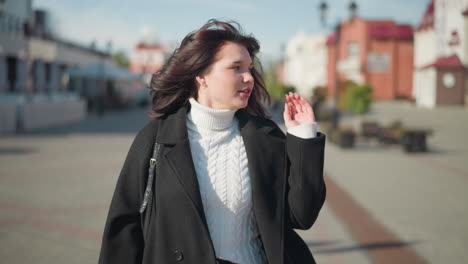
(389, 30)
(145, 46)
(331, 39)
(427, 21)
(381, 30)
(102, 71)
(448, 62)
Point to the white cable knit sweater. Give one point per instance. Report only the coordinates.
(221, 166)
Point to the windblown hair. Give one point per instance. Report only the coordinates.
(175, 83)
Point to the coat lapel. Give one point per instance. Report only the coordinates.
(173, 133)
(258, 146)
(266, 171)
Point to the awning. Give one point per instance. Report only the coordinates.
(103, 71)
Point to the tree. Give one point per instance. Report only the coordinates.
(357, 97)
(120, 58)
(276, 89)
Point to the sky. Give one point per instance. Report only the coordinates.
(272, 22)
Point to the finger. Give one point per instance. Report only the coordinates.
(309, 111)
(299, 103)
(287, 108)
(286, 112)
(289, 100)
(293, 103)
(292, 110)
(291, 95)
(297, 96)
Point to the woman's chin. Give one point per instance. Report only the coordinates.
(242, 104)
(237, 103)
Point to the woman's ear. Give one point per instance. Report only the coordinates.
(201, 80)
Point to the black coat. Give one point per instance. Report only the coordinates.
(288, 192)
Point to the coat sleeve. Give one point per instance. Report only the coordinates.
(305, 191)
(122, 240)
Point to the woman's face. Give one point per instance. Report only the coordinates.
(227, 83)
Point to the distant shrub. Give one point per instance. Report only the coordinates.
(357, 97)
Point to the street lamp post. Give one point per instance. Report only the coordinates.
(352, 8)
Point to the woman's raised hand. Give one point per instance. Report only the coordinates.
(297, 111)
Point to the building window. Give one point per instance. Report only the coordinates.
(10, 23)
(449, 80)
(11, 73)
(48, 69)
(353, 50)
(378, 62)
(63, 77)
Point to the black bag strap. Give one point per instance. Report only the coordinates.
(149, 185)
(148, 195)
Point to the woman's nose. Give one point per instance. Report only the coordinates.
(248, 77)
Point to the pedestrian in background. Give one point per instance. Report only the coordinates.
(229, 186)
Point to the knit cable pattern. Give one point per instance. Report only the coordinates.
(221, 165)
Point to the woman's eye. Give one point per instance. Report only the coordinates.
(237, 68)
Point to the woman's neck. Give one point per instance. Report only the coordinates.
(209, 118)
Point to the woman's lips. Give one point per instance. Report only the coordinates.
(245, 92)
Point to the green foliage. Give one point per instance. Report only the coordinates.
(276, 89)
(320, 94)
(357, 97)
(120, 58)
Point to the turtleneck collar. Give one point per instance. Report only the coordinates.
(209, 118)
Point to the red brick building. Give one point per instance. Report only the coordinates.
(377, 52)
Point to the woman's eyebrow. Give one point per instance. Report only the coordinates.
(240, 62)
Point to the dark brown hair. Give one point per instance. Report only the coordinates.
(175, 83)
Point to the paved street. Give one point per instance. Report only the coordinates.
(56, 184)
(420, 198)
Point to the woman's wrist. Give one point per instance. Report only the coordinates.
(306, 130)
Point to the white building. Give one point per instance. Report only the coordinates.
(148, 58)
(305, 63)
(441, 54)
(33, 64)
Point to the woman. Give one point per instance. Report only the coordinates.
(229, 186)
